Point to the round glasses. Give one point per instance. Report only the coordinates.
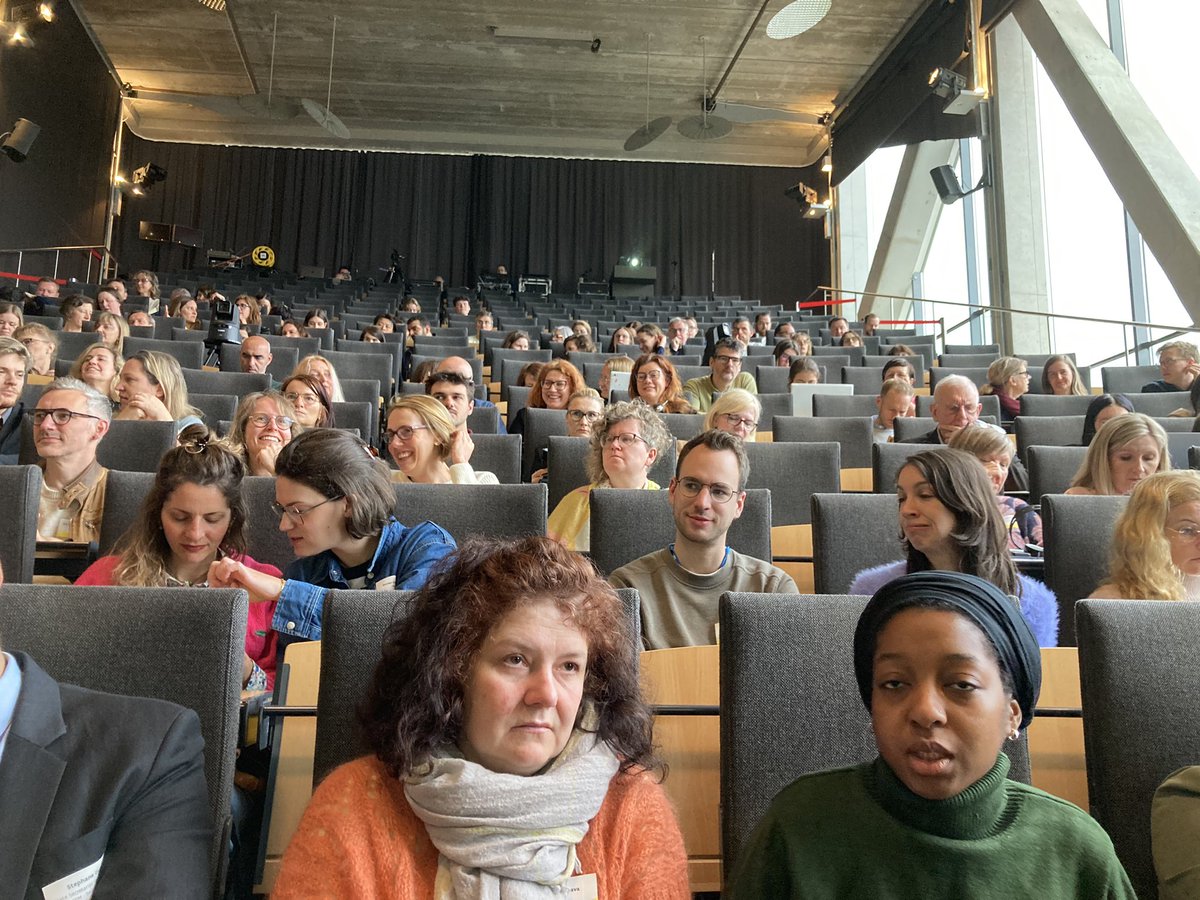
(626, 440)
(736, 421)
(60, 416)
(580, 415)
(403, 433)
(690, 488)
(295, 512)
(262, 420)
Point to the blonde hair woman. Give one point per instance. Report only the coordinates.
(425, 446)
(1060, 377)
(112, 329)
(615, 364)
(151, 386)
(736, 411)
(1155, 551)
(1124, 451)
(98, 366)
(322, 369)
(1008, 378)
(265, 422)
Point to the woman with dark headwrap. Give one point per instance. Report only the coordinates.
(949, 670)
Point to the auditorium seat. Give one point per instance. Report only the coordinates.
(852, 532)
(360, 416)
(21, 487)
(237, 383)
(1130, 379)
(1077, 534)
(853, 435)
(465, 510)
(499, 454)
(838, 405)
(975, 374)
(992, 349)
(214, 408)
(189, 355)
(1052, 469)
(1051, 405)
(484, 420)
(1046, 431)
(967, 360)
(684, 426)
(540, 424)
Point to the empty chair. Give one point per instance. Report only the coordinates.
(886, 462)
(214, 408)
(837, 405)
(358, 415)
(568, 466)
(236, 383)
(1158, 405)
(395, 352)
(1047, 431)
(72, 343)
(684, 426)
(484, 420)
(967, 360)
(793, 472)
(1129, 379)
(771, 379)
(1051, 470)
(366, 366)
(1136, 678)
(487, 510)
(264, 541)
(977, 375)
(852, 434)
(21, 487)
(499, 454)
(123, 496)
(852, 532)
(1077, 531)
(540, 425)
(866, 379)
(189, 354)
(1051, 405)
(626, 525)
(1179, 443)
(990, 349)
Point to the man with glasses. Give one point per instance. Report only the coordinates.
(14, 365)
(725, 366)
(69, 422)
(680, 586)
(677, 335)
(1179, 368)
(460, 367)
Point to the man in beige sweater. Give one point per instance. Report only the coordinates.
(681, 585)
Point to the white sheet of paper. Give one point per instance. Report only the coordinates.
(76, 886)
(583, 887)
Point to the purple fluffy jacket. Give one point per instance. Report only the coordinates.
(1039, 606)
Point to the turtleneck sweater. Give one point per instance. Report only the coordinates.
(861, 833)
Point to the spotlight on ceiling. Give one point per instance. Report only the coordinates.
(15, 144)
(945, 181)
(827, 163)
(148, 176)
(810, 203)
(46, 12)
(952, 88)
(796, 18)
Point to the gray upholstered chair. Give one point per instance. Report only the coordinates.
(854, 355)
(1129, 379)
(976, 374)
(203, 672)
(1158, 405)
(214, 408)
(394, 352)
(772, 379)
(123, 496)
(506, 369)
(497, 357)
(1193, 458)
(264, 541)
(1051, 405)
(1138, 679)
(781, 722)
(189, 354)
(359, 415)
(839, 406)
(366, 366)
(626, 525)
(484, 420)
(866, 379)
(1180, 443)
(464, 510)
(1076, 532)
(852, 532)
(499, 454)
(909, 428)
(967, 360)
(991, 349)
(568, 466)
(684, 426)
(517, 398)
(540, 425)
(132, 446)
(773, 405)
(852, 434)
(886, 461)
(1047, 431)
(793, 472)
(1051, 470)
(21, 488)
(236, 383)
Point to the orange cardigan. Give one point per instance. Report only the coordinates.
(360, 839)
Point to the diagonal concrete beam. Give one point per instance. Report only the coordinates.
(1150, 176)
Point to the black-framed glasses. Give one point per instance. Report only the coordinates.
(59, 415)
(581, 414)
(728, 360)
(262, 420)
(297, 513)
(690, 487)
(404, 433)
(736, 421)
(626, 440)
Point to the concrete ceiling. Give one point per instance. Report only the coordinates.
(435, 78)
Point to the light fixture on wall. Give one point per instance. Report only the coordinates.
(945, 181)
(46, 12)
(146, 177)
(796, 18)
(952, 88)
(808, 198)
(15, 144)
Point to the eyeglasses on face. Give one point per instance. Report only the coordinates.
(690, 488)
(652, 375)
(626, 440)
(59, 415)
(736, 421)
(581, 414)
(296, 512)
(262, 420)
(1188, 533)
(303, 399)
(404, 432)
(555, 385)
(728, 360)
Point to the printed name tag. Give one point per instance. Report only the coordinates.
(76, 886)
(583, 887)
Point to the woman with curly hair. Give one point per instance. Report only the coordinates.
(655, 382)
(1155, 552)
(511, 748)
(623, 449)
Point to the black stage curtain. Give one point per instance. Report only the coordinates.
(458, 215)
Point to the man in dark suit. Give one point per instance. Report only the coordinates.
(956, 406)
(103, 795)
(14, 364)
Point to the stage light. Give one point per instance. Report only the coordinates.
(15, 144)
(945, 181)
(952, 88)
(149, 175)
(827, 164)
(811, 204)
(46, 11)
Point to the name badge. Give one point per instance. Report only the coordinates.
(76, 886)
(582, 887)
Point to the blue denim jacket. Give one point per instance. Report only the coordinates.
(404, 555)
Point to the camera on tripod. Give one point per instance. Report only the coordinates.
(225, 327)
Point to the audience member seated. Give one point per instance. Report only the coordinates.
(411, 306)
(69, 422)
(370, 335)
(681, 585)
(309, 400)
(194, 515)
(677, 334)
(1177, 361)
(615, 364)
(114, 784)
(556, 381)
(901, 350)
(112, 329)
(426, 447)
(1022, 522)
(11, 318)
(140, 319)
(263, 425)
(1100, 410)
(151, 386)
(462, 792)
(46, 288)
(484, 321)
(75, 311)
(803, 342)
(623, 448)
(899, 368)
(948, 670)
(322, 369)
(737, 412)
(870, 324)
(742, 331)
(1061, 378)
(1155, 550)
(458, 398)
(584, 410)
(724, 373)
(1008, 378)
(343, 275)
(461, 306)
(293, 330)
(785, 331)
(145, 286)
(107, 301)
(896, 400)
(185, 307)
(42, 344)
(579, 343)
(1175, 834)
(516, 340)
(622, 337)
(852, 339)
(650, 338)
(335, 504)
(117, 286)
(385, 323)
(838, 326)
(786, 352)
(528, 375)
(762, 330)
(655, 382)
(256, 356)
(14, 363)
(316, 318)
(949, 521)
(804, 370)
(416, 326)
(1124, 451)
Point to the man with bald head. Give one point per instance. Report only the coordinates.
(956, 406)
(462, 368)
(256, 356)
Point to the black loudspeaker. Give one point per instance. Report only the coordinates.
(945, 181)
(17, 142)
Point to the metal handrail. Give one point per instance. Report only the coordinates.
(107, 260)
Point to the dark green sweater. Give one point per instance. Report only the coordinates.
(859, 832)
